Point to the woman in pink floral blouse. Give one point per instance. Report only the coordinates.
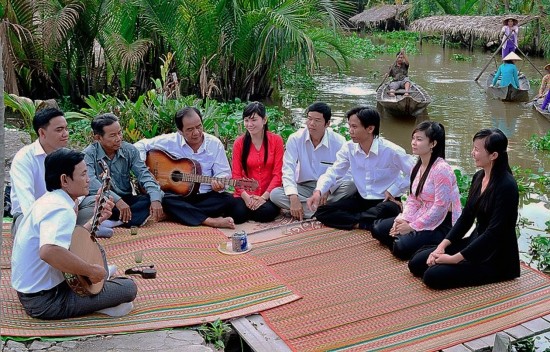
(433, 205)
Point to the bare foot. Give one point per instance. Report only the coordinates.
(227, 222)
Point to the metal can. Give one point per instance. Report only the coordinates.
(239, 241)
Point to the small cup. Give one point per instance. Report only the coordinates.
(133, 230)
(138, 256)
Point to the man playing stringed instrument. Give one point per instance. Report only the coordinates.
(41, 249)
(210, 205)
(121, 158)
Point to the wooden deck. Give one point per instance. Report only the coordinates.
(257, 334)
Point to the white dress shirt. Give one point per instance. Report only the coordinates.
(50, 220)
(387, 167)
(303, 162)
(27, 177)
(210, 155)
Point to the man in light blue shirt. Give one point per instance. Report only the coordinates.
(123, 159)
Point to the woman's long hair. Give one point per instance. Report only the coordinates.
(435, 133)
(495, 141)
(251, 109)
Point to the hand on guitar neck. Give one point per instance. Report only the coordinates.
(105, 212)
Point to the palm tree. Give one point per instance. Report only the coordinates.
(236, 48)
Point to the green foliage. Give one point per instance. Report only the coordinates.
(215, 333)
(539, 250)
(301, 83)
(539, 142)
(531, 182)
(463, 181)
(460, 57)
(525, 345)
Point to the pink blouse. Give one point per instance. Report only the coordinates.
(439, 195)
(270, 175)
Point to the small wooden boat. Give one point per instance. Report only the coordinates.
(412, 104)
(544, 113)
(509, 93)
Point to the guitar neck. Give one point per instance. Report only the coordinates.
(207, 179)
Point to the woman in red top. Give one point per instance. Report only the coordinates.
(257, 154)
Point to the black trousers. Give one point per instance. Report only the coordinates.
(346, 213)
(61, 302)
(194, 209)
(404, 246)
(444, 276)
(241, 213)
(139, 206)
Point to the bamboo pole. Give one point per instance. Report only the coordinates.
(489, 61)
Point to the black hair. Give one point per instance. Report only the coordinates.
(101, 121)
(435, 132)
(495, 141)
(508, 61)
(60, 162)
(368, 117)
(251, 109)
(322, 108)
(178, 118)
(43, 117)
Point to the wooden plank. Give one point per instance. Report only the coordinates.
(258, 335)
(519, 332)
(537, 325)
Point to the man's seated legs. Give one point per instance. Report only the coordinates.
(208, 209)
(61, 302)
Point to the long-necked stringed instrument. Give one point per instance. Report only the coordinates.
(184, 176)
(84, 244)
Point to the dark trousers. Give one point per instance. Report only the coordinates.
(61, 302)
(444, 276)
(404, 246)
(194, 209)
(265, 213)
(346, 213)
(139, 206)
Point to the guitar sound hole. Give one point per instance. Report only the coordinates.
(177, 176)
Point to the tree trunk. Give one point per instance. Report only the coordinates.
(2, 149)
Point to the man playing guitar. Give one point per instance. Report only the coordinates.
(41, 249)
(212, 203)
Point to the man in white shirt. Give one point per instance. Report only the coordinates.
(309, 152)
(41, 253)
(211, 203)
(27, 168)
(380, 169)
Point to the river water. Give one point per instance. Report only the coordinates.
(458, 102)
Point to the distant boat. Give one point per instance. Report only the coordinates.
(509, 93)
(410, 105)
(544, 113)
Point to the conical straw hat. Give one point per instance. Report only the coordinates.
(547, 67)
(505, 21)
(512, 57)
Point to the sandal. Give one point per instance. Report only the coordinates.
(146, 271)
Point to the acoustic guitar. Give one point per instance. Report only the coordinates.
(184, 176)
(84, 245)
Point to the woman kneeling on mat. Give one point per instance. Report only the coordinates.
(490, 253)
(434, 202)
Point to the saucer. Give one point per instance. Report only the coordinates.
(227, 248)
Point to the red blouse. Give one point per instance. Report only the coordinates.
(269, 176)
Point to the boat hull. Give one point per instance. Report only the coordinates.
(412, 104)
(544, 113)
(509, 93)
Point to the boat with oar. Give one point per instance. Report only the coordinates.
(544, 113)
(409, 104)
(508, 93)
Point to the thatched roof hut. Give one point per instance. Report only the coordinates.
(377, 15)
(483, 27)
